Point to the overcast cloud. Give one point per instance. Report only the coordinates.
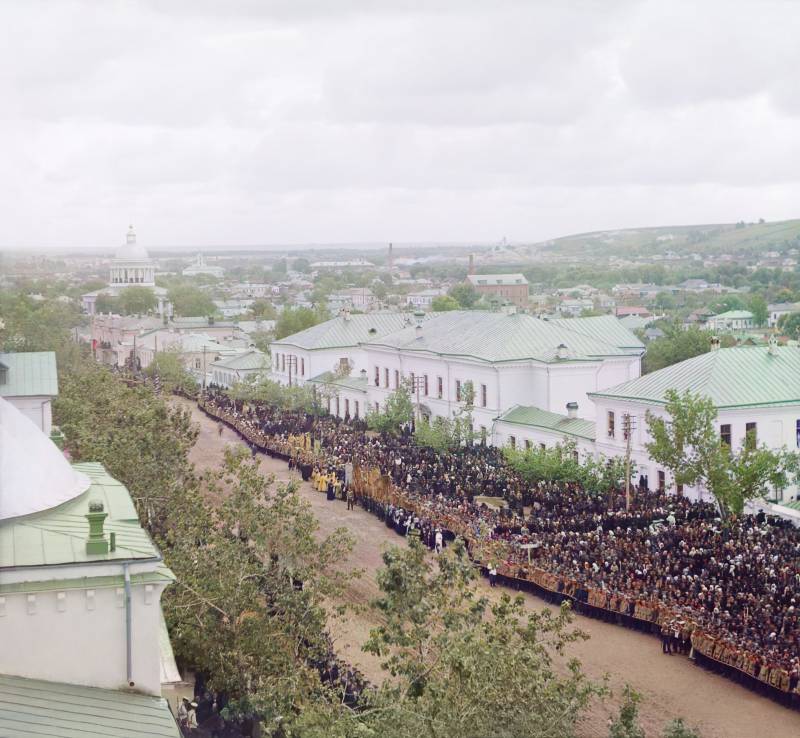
(258, 122)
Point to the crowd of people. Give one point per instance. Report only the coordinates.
(727, 593)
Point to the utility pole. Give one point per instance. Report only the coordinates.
(416, 383)
(628, 426)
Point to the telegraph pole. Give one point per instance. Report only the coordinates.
(416, 383)
(628, 426)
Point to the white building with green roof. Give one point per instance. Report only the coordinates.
(754, 389)
(510, 360)
(29, 381)
(80, 589)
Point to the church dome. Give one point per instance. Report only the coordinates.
(130, 250)
(34, 475)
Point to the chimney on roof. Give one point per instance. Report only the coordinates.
(96, 543)
(572, 410)
(561, 351)
(714, 343)
(418, 330)
(773, 346)
(346, 314)
(363, 373)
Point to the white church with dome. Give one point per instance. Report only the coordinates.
(131, 267)
(84, 643)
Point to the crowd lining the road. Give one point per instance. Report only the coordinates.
(727, 595)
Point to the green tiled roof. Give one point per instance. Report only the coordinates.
(538, 418)
(58, 536)
(353, 383)
(498, 337)
(606, 328)
(31, 707)
(732, 377)
(340, 332)
(30, 374)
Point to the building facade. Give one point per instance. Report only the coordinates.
(510, 287)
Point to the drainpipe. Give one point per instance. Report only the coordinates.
(128, 639)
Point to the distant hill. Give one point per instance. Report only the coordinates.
(728, 238)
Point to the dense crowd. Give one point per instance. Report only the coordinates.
(730, 592)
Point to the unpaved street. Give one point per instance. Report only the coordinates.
(671, 685)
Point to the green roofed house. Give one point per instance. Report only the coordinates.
(29, 381)
(231, 369)
(732, 321)
(755, 389)
(83, 649)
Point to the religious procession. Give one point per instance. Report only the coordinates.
(725, 596)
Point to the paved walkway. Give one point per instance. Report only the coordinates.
(672, 686)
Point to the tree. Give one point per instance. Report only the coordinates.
(665, 301)
(294, 320)
(627, 723)
(439, 640)
(136, 301)
(678, 729)
(790, 325)
(675, 346)
(444, 303)
(758, 306)
(263, 310)
(250, 604)
(189, 301)
(398, 413)
(105, 303)
(169, 368)
(465, 295)
(726, 303)
(689, 446)
(301, 265)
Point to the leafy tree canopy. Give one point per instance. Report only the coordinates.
(444, 303)
(136, 301)
(465, 295)
(294, 320)
(189, 301)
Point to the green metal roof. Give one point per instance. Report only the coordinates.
(245, 361)
(538, 418)
(340, 332)
(606, 328)
(31, 707)
(745, 376)
(58, 536)
(794, 504)
(353, 383)
(497, 337)
(30, 374)
(733, 315)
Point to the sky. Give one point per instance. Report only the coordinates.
(256, 122)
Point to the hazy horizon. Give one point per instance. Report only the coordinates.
(285, 124)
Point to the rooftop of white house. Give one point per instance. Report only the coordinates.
(28, 374)
(500, 337)
(32, 707)
(537, 418)
(752, 376)
(246, 361)
(344, 331)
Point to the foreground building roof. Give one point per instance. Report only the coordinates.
(753, 376)
(31, 707)
(28, 374)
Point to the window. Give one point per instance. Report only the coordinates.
(377, 376)
(483, 435)
(528, 445)
(484, 394)
(344, 364)
(302, 367)
(197, 363)
(439, 388)
(377, 407)
(458, 390)
(425, 388)
(797, 433)
(725, 434)
(347, 408)
(386, 377)
(355, 409)
(611, 424)
(680, 489)
(413, 378)
(396, 378)
(750, 435)
(512, 441)
(575, 457)
(662, 480)
(337, 406)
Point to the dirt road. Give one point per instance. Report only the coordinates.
(672, 686)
